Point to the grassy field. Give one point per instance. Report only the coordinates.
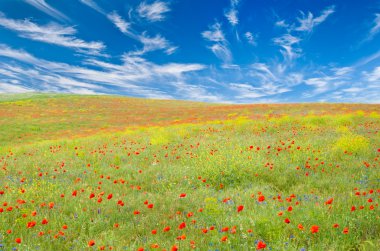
(116, 173)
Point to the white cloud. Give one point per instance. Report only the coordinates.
(153, 12)
(222, 52)
(155, 43)
(215, 34)
(374, 76)
(93, 5)
(287, 43)
(308, 22)
(13, 88)
(231, 16)
(232, 13)
(251, 39)
(52, 33)
(119, 22)
(46, 8)
(376, 26)
(220, 44)
(135, 76)
(282, 23)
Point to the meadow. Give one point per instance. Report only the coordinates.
(116, 173)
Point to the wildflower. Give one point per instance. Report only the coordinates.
(261, 245)
(314, 229)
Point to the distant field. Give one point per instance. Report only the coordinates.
(108, 172)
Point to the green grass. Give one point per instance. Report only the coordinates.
(296, 161)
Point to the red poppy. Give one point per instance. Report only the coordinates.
(261, 245)
(18, 240)
(224, 238)
(329, 201)
(261, 198)
(314, 229)
(182, 225)
(345, 230)
(91, 243)
(174, 248)
(31, 224)
(240, 208)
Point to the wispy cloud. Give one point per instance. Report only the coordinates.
(46, 8)
(220, 44)
(120, 23)
(376, 26)
(52, 33)
(93, 5)
(155, 43)
(251, 39)
(287, 42)
(153, 12)
(308, 22)
(374, 76)
(135, 76)
(13, 88)
(232, 13)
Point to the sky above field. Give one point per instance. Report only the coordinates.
(239, 51)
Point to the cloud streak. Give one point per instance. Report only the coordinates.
(52, 33)
(154, 12)
(47, 9)
(220, 44)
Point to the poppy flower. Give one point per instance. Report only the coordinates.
(287, 221)
(18, 240)
(314, 229)
(224, 238)
(91, 243)
(44, 222)
(261, 198)
(182, 195)
(31, 224)
(240, 208)
(174, 248)
(182, 225)
(345, 230)
(261, 245)
(329, 201)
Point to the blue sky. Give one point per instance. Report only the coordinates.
(234, 51)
